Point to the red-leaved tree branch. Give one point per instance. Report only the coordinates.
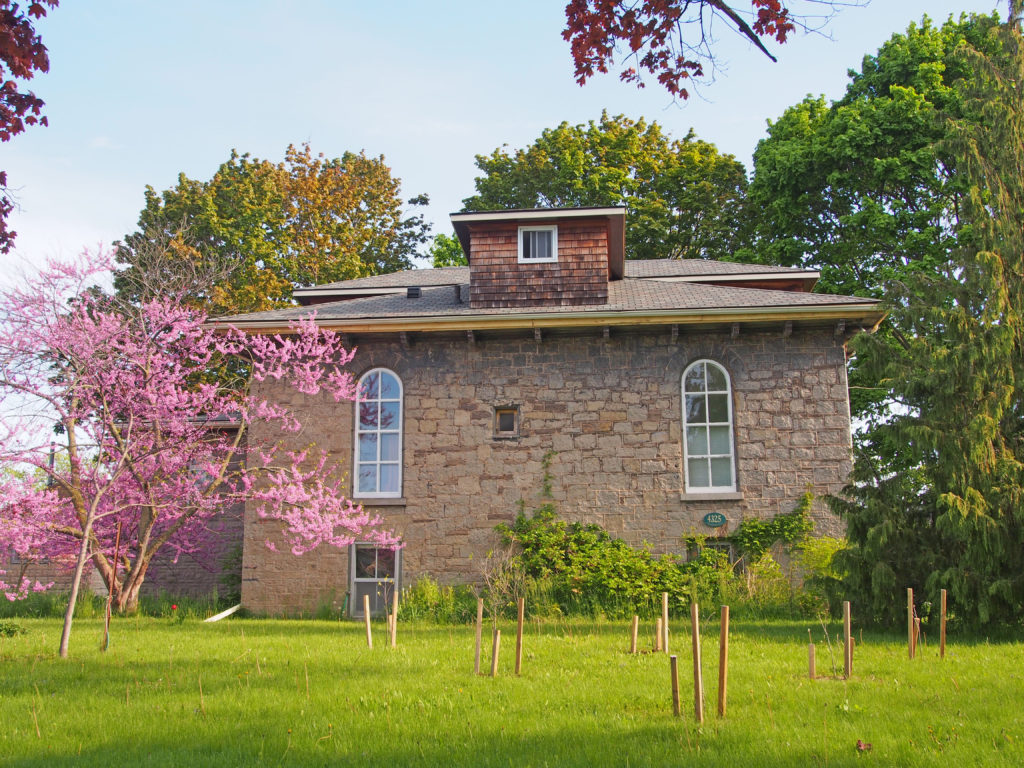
(22, 54)
(672, 40)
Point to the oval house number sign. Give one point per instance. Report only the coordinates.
(714, 519)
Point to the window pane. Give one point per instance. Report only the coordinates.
(389, 415)
(370, 387)
(695, 411)
(385, 563)
(368, 415)
(543, 243)
(368, 478)
(695, 379)
(719, 440)
(697, 441)
(389, 389)
(718, 408)
(716, 378)
(721, 472)
(366, 562)
(368, 448)
(389, 478)
(389, 447)
(506, 421)
(697, 470)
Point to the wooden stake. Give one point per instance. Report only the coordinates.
(674, 667)
(494, 652)
(942, 624)
(847, 650)
(479, 633)
(366, 616)
(698, 679)
(394, 616)
(811, 666)
(910, 623)
(520, 608)
(917, 634)
(723, 660)
(110, 589)
(636, 629)
(657, 635)
(664, 621)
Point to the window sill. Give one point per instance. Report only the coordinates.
(726, 496)
(386, 501)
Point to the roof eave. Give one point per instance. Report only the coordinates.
(868, 314)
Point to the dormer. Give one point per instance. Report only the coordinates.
(542, 257)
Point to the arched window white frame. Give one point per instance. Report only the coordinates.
(378, 450)
(709, 453)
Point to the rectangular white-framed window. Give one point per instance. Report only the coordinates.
(538, 245)
(376, 572)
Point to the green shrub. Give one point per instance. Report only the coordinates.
(427, 600)
(11, 628)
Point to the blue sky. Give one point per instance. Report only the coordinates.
(139, 92)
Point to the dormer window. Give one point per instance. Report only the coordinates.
(538, 244)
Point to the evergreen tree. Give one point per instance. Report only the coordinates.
(937, 498)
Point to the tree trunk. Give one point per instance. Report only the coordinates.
(131, 587)
(76, 580)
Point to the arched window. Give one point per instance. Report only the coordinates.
(378, 461)
(707, 429)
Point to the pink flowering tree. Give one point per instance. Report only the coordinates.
(146, 437)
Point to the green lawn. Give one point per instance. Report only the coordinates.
(253, 692)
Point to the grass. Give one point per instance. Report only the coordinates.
(309, 693)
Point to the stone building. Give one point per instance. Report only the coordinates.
(678, 397)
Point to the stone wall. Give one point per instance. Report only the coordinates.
(610, 408)
(580, 276)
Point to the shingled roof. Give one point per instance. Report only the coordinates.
(632, 300)
(646, 268)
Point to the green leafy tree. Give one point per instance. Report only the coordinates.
(940, 503)
(446, 251)
(278, 226)
(864, 189)
(684, 198)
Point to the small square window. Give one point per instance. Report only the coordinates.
(506, 421)
(538, 244)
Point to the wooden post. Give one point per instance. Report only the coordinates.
(811, 666)
(664, 621)
(910, 623)
(113, 581)
(636, 629)
(847, 650)
(657, 635)
(674, 667)
(723, 660)
(942, 624)
(496, 645)
(698, 680)
(519, 634)
(479, 633)
(366, 617)
(394, 616)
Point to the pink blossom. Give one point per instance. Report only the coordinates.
(139, 442)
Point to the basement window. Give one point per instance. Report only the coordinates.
(506, 421)
(538, 245)
(376, 572)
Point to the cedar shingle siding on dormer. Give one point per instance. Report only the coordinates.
(580, 276)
